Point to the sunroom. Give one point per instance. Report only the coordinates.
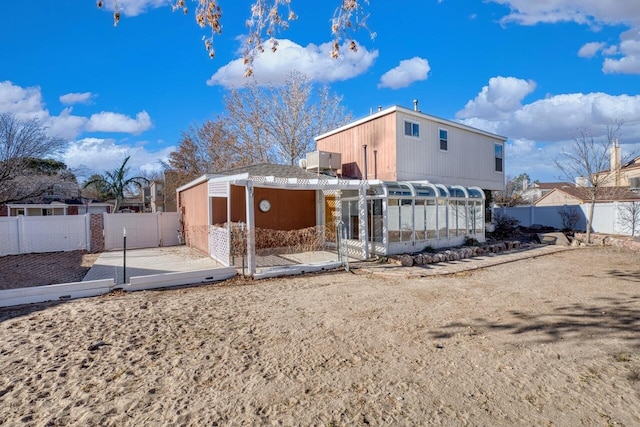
(410, 216)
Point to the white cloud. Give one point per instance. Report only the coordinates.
(629, 48)
(557, 118)
(501, 97)
(314, 61)
(106, 121)
(594, 13)
(96, 155)
(589, 50)
(134, 7)
(407, 72)
(26, 103)
(66, 125)
(538, 131)
(23, 102)
(590, 12)
(77, 98)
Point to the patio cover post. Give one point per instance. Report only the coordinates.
(362, 219)
(251, 231)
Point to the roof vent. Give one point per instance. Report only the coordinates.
(415, 105)
(634, 183)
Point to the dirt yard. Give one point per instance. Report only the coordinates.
(552, 340)
(17, 271)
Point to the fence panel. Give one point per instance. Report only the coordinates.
(144, 230)
(39, 234)
(169, 229)
(9, 236)
(605, 216)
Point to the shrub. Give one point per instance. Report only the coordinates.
(505, 226)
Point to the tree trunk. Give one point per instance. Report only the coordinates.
(590, 219)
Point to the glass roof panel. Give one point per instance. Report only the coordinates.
(474, 193)
(398, 189)
(423, 190)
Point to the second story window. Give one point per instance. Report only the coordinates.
(499, 156)
(444, 139)
(411, 129)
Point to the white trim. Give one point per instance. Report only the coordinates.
(404, 128)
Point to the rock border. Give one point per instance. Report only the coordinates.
(456, 254)
(623, 242)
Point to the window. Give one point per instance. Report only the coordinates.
(498, 154)
(444, 139)
(411, 129)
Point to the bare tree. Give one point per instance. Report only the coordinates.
(23, 142)
(278, 123)
(205, 149)
(512, 195)
(586, 159)
(267, 18)
(629, 217)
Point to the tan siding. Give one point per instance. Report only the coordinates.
(557, 198)
(379, 136)
(195, 216)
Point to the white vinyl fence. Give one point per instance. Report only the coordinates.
(608, 218)
(144, 230)
(24, 234)
(37, 234)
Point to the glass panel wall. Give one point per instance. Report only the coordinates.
(416, 212)
(375, 220)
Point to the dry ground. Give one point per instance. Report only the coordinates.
(50, 268)
(552, 340)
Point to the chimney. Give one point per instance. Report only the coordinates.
(415, 105)
(616, 162)
(379, 107)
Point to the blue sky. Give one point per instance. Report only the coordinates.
(535, 72)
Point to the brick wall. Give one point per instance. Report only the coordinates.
(97, 236)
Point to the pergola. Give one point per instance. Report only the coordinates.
(375, 217)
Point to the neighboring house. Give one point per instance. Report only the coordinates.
(619, 174)
(67, 207)
(373, 217)
(400, 144)
(580, 195)
(162, 194)
(536, 190)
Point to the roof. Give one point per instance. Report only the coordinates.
(552, 185)
(605, 194)
(419, 114)
(279, 172)
(271, 169)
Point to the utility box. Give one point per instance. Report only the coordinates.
(321, 161)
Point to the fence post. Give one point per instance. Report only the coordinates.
(159, 227)
(21, 235)
(87, 231)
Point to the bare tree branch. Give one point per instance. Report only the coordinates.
(23, 142)
(586, 161)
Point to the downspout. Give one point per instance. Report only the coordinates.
(375, 164)
(364, 151)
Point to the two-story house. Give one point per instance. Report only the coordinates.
(400, 144)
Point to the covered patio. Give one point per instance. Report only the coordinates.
(245, 218)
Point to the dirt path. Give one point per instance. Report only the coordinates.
(553, 340)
